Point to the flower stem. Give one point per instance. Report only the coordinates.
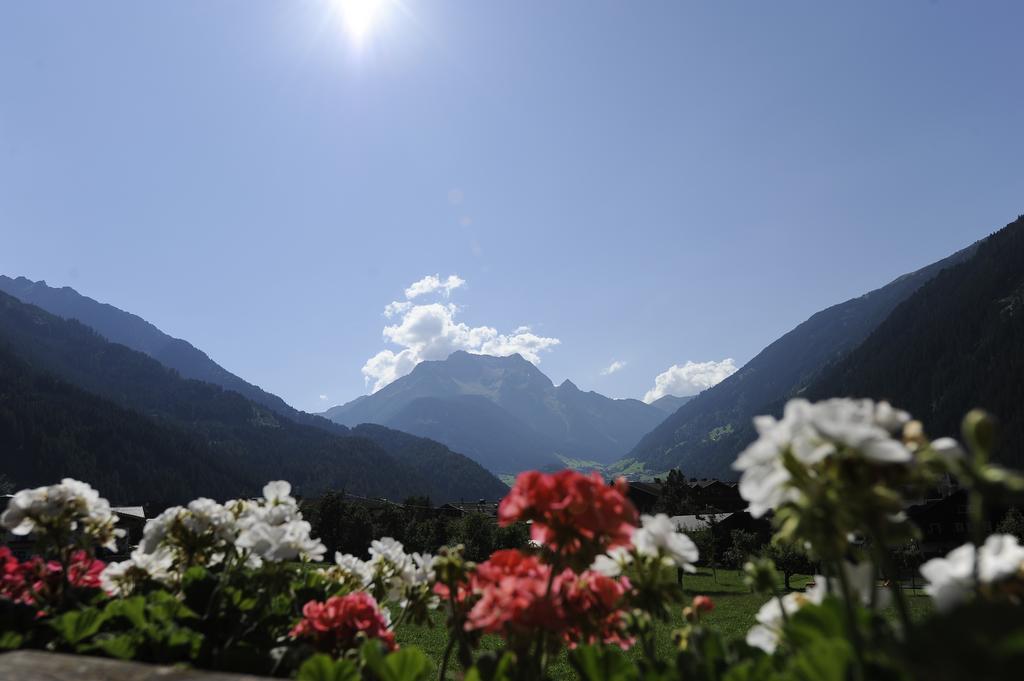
(444, 660)
(851, 618)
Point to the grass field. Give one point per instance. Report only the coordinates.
(733, 615)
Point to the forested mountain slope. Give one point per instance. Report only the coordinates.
(957, 343)
(134, 332)
(704, 435)
(246, 439)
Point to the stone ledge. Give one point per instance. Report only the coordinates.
(33, 665)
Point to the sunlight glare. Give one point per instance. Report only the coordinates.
(359, 17)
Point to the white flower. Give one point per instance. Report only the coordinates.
(278, 492)
(947, 448)
(206, 515)
(657, 537)
(765, 480)
(70, 505)
(812, 433)
(118, 579)
(861, 580)
(276, 543)
(402, 576)
(951, 579)
(864, 426)
(613, 563)
(353, 570)
(1002, 557)
(768, 630)
(157, 529)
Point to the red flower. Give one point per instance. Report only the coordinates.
(462, 592)
(38, 579)
(13, 585)
(572, 513)
(592, 605)
(703, 604)
(340, 622)
(519, 597)
(512, 588)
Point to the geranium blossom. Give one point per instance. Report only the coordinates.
(518, 595)
(591, 608)
(571, 513)
(658, 538)
(860, 578)
(68, 507)
(341, 622)
(512, 587)
(811, 433)
(119, 579)
(951, 579)
(36, 581)
(270, 529)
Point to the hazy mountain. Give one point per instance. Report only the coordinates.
(670, 403)
(518, 419)
(704, 435)
(247, 441)
(132, 331)
(479, 428)
(957, 343)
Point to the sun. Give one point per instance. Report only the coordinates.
(360, 17)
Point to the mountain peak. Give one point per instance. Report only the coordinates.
(568, 386)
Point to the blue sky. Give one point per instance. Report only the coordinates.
(649, 183)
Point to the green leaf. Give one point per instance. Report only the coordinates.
(601, 664)
(323, 668)
(123, 647)
(132, 609)
(78, 625)
(492, 666)
(408, 664)
(826, 659)
(10, 640)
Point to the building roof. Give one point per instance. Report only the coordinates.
(702, 521)
(651, 488)
(135, 511)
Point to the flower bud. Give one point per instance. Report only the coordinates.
(703, 604)
(759, 575)
(980, 432)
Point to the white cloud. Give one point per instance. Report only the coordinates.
(613, 367)
(323, 398)
(690, 378)
(396, 307)
(430, 331)
(432, 283)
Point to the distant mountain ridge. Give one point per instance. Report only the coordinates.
(670, 403)
(132, 331)
(503, 412)
(706, 433)
(245, 441)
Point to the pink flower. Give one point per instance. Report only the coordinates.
(518, 597)
(512, 588)
(38, 580)
(573, 514)
(340, 622)
(592, 605)
(703, 604)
